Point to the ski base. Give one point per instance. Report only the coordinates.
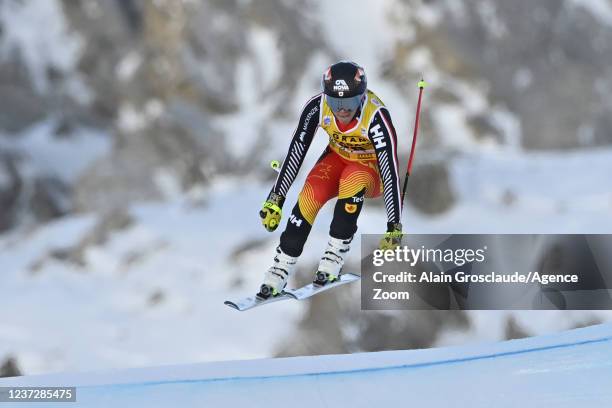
(311, 289)
(251, 302)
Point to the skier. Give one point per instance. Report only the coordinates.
(359, 162)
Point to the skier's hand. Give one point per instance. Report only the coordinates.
(271, 212)
(392, 238)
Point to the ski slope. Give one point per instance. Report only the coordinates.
(569, 369)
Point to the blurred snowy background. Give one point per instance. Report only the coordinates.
(135, 137)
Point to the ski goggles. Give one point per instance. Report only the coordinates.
(350, 104)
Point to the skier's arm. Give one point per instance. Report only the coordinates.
(302, 138)
(382, 135)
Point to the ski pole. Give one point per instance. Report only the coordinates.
(421, 86)
(275, 165)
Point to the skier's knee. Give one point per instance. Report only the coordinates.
(295, 235)
(346, 213)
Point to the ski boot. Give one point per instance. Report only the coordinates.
(330, 266)
(277, 276)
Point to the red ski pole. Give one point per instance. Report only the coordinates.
(421, 86)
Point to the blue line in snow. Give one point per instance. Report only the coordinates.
(360, 370)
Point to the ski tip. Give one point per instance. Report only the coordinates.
(231, 304)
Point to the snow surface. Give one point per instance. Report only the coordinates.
(101, 315)
(64, 156)
(153, 294)
(570, 369)
(599, 9)
(54, 46)
(63, 316)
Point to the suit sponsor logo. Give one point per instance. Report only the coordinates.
(295, 220)
(378, 137)
(340, 86)
(350, 139)
(350, 208)
(312, 112)
(327, 120)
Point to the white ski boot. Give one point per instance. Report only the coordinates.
(277, 276)
(330, 266)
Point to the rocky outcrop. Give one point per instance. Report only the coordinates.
(108, 223)
(21, 104)
(549, 63)
(514, 330)
(9, 368)
(174, 69)
(11, 186)
(24, 196)
(430, 189)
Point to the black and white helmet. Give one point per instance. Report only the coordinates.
(344, 85)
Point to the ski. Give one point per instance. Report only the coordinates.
(301, 293)
(311, 289)
(251, 302)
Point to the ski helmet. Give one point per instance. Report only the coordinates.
(344, 85)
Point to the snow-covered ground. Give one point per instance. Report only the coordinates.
(153, 293)
(570, 369)
(59, 316)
